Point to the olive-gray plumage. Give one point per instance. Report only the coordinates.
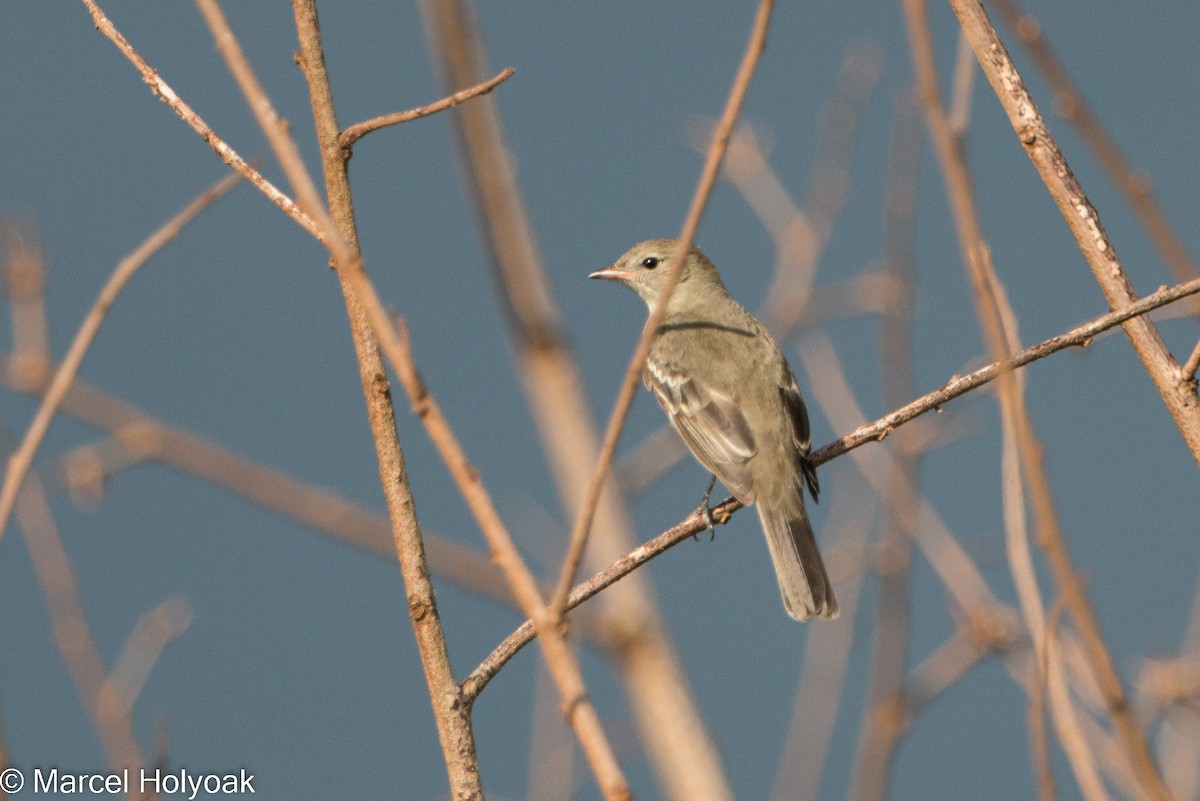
(727, 389)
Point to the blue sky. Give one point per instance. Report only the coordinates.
(299, 663)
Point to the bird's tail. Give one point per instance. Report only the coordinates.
(803, 582)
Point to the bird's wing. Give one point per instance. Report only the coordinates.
(793, 403)
(711, 425)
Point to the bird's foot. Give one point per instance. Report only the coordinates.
(705, 512)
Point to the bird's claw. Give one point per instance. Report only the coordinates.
(705, 512)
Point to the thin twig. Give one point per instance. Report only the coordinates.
(22, 458)
(523, 635)
(561, 661)
(72, 635)
(360, 129)
(677, 742)
(151, 634)
(1079, 336)
(871, 432)
(1188, 372)
(1084, 223)
(877, 744)
(226, 153)
(369, 325)
(708, 178)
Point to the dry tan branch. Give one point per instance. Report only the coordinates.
(226, 153)
(1082, 219)
(72, 635)
(680, 749)
(998, 325)
(22, 458)
(360, 129)
(1076, 337)
(674, 268)
(561, 661)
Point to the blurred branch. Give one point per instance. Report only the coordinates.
(1084, 222)
(227, 154)
(998, 325)
(72, 635)
(687, 764)
(1133, 185)
(358, 130)
(152, 633)
(708, 178)
(137, 436)
(22, 457)
(25, 278)
(561, 661)
(827, 651)
(877, 744)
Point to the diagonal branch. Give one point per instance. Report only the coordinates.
(360, 129)
(561, 661)
(226, 153)
(22, 458)
(1080, 336)
(872, 432)
(708, 178)
(1082, 218)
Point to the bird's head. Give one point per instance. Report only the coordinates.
(643, 269)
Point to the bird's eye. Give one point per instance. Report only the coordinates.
(650, 262)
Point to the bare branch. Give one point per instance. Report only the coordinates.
(72, 635)
(708, 178)
(22, 458)
(1079, 336)
(226, 153)
(561, 661)
(1082, 219)
(360, 129)
(678, 745)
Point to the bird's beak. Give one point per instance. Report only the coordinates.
(612, 273)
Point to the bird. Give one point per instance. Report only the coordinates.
(728, 391)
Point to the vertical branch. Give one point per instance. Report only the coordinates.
(685, 759)
(563, 665)
(25, 275)
(878, 738)
(453, 717)
(992, 309)
(827, 652)
(1082, 218)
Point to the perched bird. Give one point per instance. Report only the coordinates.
(731, 395)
